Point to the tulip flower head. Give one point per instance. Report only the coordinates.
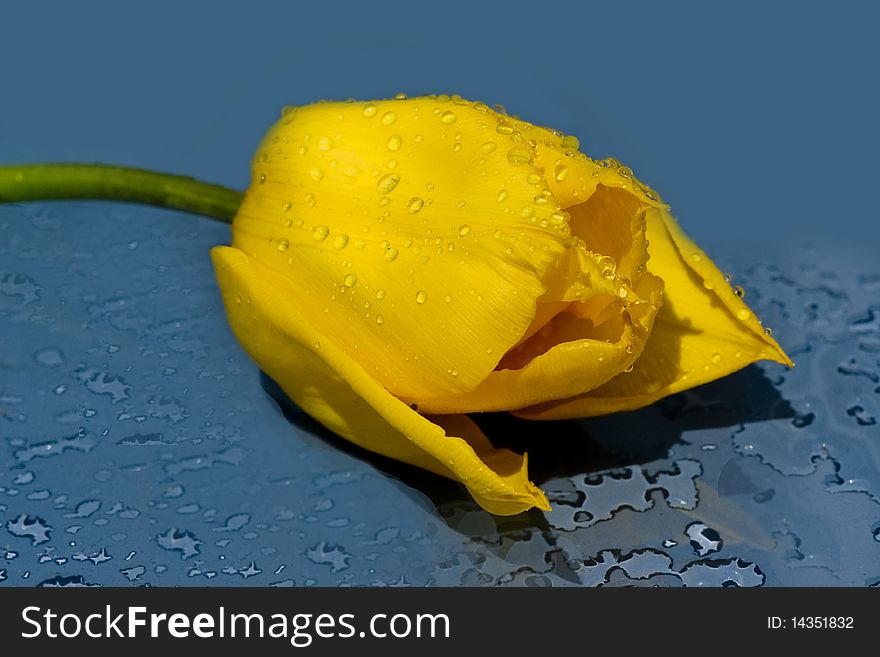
(398, 264)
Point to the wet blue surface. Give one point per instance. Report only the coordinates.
(140, 446)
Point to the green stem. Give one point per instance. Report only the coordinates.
(40, 182)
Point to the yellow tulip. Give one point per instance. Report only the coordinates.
(398, 264)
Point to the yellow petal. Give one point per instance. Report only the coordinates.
(266, 314)
(704, 331)
(418, 234)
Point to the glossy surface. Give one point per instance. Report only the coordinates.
(139, 445)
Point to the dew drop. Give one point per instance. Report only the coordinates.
(739, 291)
(415, 204)
(570, 141)
(447, 299)
(316, 173)
(743, 314)
(768, 331)
(324, 143)
(262, 178)
(370, 110)
(320, 233)
(380, 320)
(519, 155)
(488, 147)
(283, 245)
(716, 358)
(340, 241)
(310, 200)
(502, 196)
(504, 127)
(448, 117)
(696, 257)
(560, 173)
(388, 182)
(316, 344)
(380, 294)
(709, 285)
(464, 230)
(394, 142)
(388, 118)
(350, 280)
(286, 206)
(391, 253)
(421, 296)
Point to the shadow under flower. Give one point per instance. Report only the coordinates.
(577, 447)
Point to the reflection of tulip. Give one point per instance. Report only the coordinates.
(397, 264)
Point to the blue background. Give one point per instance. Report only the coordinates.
(138, 445)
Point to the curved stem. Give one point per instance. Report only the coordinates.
(39, 182)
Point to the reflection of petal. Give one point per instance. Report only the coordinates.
(265, 314)
(418, 234)
(704, 331)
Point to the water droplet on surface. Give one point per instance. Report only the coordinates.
(570, 141)
(320, 233)
(388, 118)
(316, 173)
(350, 280)
(447, 299)
(768, 331)
(262, 178)
(421, 296)
(488, 147)
(448, 117)
(380, 293)
(391, 253)
(283, 245)
(519, 155)
(743, 314)
(286, 206)
(388, 182)
(324, 143)
(716, 358)
(502, 196)
(394, 142)
(380, 320)
(464, 230)
(415, 204)
(340, 241)
(560, 173)
(370, 109)
(739, 291)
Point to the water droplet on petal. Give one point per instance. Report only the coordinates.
(316, 173)
(380, 293)
(448, 117)
(394, 142)
(350, 280)
(502, 196)
(341, 241)
(570, 141)
(388, 118)
(464, 230)
(286, 206)
(379, 319)
(320, 233)
(421, 296)
(560, 173)
(739, 291)
(415, 204)
(743, 314)
(391, 253)
(370, 109)
(283, 245)
(388, 182)
(324, 143)
(488, 147)
(519, 155)
(716, 358)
